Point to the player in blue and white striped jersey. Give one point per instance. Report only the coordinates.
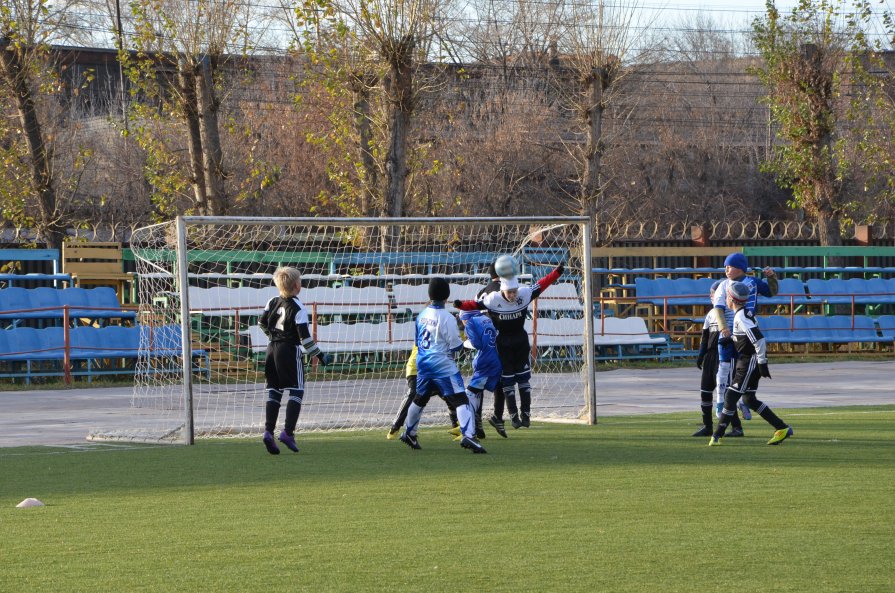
(707, 362)
(437, 339)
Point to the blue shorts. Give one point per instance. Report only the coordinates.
(484, 381)
(443, 386)
(727, 352)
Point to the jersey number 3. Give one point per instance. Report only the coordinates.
(425, 339)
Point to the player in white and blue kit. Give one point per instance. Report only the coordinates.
(437, 339)
(735, 267)
(486, 368)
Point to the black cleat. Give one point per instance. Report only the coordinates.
(526, 420)
(514, 420)
(498, 425)
(704, 431)
(410, 441)
(474, 445)
(735, 432)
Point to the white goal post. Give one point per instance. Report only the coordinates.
(203, 281)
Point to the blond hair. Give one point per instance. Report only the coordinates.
(288, 281)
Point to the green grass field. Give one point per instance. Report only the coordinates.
(631, 505)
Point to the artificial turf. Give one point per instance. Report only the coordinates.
(633, 504)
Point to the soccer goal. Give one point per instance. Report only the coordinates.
(203, 282)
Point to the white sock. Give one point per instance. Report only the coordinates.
(414, 413)
(466, 418)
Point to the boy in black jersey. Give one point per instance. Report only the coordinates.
(508, 309)
(285, 323)
(751, 365)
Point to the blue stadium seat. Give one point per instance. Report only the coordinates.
(704, 285)
(821, 330)
(864, 329)
(48, 299)
(690, 290)
(76, 298)
(810, 328)
(775, 329)
(833, 291)
(106, 298)
(787, 287)
(887, 326)
(879, 291)
(26, 343)
(85, 342)
(646, 290)
(861, 289)
(13, 299)
(120, 341)
(52, 342)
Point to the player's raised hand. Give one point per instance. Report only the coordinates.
(769, 272)
(560, 268)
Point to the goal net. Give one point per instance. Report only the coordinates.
(203, 282)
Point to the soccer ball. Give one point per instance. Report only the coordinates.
(505, 266)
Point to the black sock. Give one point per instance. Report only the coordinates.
(293, 409)
(772, 418)
(510, 398)
(272, 409)
(707, 410)
(525, 400)
(499, 400)
(722, 426)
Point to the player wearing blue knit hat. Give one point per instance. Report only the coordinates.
(735, 267)
(707, 362)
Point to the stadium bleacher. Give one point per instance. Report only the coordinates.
(94, 351)
(45, 303)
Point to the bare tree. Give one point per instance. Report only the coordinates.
(599, 42)
(185, 53)
(30, 88)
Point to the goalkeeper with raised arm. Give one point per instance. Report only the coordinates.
(509, 308)
(751, 365)
(285, 323)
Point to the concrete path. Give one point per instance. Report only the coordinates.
(62, 417)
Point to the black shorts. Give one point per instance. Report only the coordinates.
(284, 367)
(710, 370)
(515, 355)
(745, 374)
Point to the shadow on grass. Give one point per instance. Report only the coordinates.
(839, 439)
